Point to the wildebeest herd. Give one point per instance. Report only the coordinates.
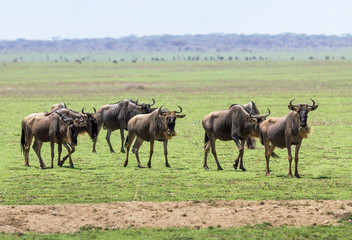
(240, 123)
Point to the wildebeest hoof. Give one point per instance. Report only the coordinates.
(220, 169)
(243, 169)
(235, 166)
(112, 151)
(168, 166)
(125, 164)
(123, 150)
(94, 151)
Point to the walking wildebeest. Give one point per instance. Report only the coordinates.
(158, 125)
(285, 131)
(56, 128)
(237, 123)
(89, 125)
(116, 116)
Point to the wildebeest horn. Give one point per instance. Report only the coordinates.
(95, 111)
(160, 110)
(312, 105)
(153, 102)
(268, 113)
(83, 111)
(179, 111)
(137, 101)
(253, 116)
(291, 103)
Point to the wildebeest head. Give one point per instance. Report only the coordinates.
(145, 107)
(170, 119)
(92, 124)
(72, 129)
(257, 118)
(303, 110)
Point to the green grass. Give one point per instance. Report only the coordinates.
(260, 231)
(199, 87)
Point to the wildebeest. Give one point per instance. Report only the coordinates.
(88, 125)
(285, 131)
(56, 128)
(58, 106)
(158, 125)
(237, 123)
(116, 116)
(251, 142)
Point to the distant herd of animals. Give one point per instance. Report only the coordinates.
(240, 123)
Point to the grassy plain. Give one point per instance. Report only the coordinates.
(199, 87)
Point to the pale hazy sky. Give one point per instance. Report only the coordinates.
(44, 19)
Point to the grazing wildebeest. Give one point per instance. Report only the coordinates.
(88, 125)
(116, 116)
(158, 125)
(285, 131)
(237, 123)
(56, 128)
(58, 106)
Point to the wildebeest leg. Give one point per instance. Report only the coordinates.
(151, 153)
(213, 151)
(68, 155)
(288, 144)
(137, 144)
(268, 150)
(240, 157)
(165, 153)
(59, 151)
(122, 139)
(52, 145)
(296, 160)
(27, 147)
(235, 138)
(108, 134)
(130, 138)
(94, 142)
(37, 147)
(206, 152)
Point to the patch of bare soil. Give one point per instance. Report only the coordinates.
(225, 214)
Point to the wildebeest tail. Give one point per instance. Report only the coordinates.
(23, 140)
(206, 138)
(126, 141)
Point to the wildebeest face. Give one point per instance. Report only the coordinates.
(145, 107)
(92, 124)
(303, 110)
(74, 130)
(170, 120)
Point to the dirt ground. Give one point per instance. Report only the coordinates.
(224, 214)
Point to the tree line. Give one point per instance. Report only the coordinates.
(185, 43)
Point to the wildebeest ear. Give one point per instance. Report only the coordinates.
(181, 116)
(293, 108)
(313, 108)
